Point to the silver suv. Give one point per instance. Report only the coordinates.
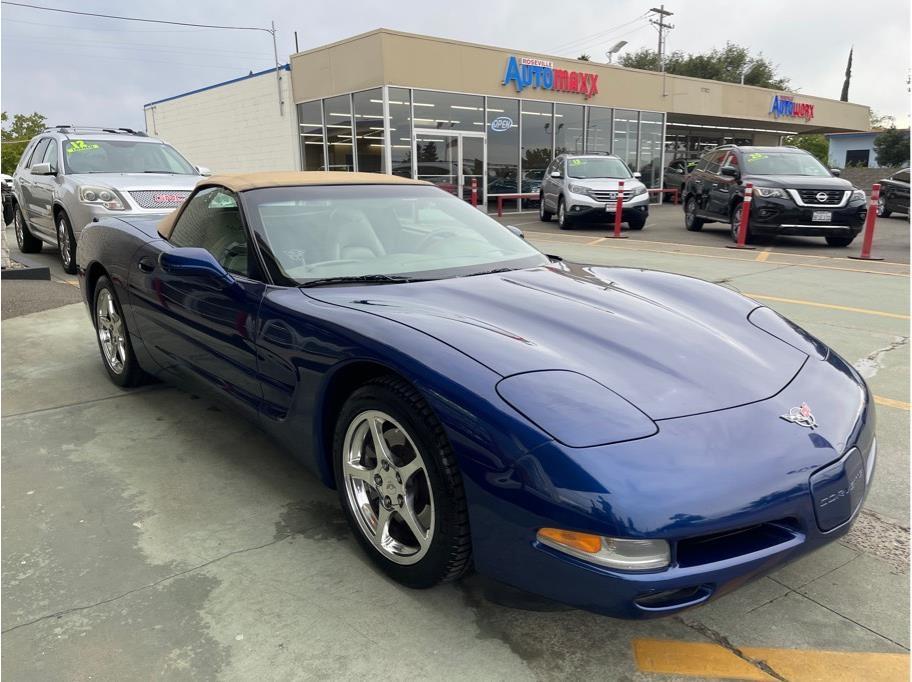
(585, 186)
(69, 176)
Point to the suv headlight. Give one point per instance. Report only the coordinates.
(101, 196)
(578, 189)
(638, 190)
(770, 192)
(859, 194)
(627, 555)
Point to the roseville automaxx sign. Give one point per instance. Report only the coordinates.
(526, 72)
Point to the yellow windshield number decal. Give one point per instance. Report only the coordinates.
(576, 162)
(756, 156)
(80, 146)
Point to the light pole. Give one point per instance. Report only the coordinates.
(617, 47)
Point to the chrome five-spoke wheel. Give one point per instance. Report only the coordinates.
(387, 487)
(111, 333)
(63, 240)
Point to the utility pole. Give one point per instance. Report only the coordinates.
(275, 54)
(659, 23)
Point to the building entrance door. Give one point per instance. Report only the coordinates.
(452, 160)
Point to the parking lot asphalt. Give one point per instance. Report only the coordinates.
(147, 533)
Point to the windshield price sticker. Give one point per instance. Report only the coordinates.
(576, 162)
(80, 146)
(756, 156)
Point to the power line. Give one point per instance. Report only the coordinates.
(147, 21)
(594, 36)
(98, 28)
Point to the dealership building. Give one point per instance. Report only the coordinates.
(459, 114)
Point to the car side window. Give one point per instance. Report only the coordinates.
(703, 162)
(38, 155)
(731, 160)
(50, 155)
(902, 176)
(715, 161)
(212, 221)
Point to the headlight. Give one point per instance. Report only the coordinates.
(859, 194)
(770, 192)
(578, 189)
(102, 196)
(627, 555)
(636, 191)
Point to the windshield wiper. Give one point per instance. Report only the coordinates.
(495, 271)
(164, 172)
(360, 279)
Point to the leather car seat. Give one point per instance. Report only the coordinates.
(351, 236)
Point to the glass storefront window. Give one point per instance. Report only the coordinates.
(310, 134)
(400, 127)
(447, 111)
(650, 161)
(625, 136)
(568, 129)
(369, 130)
(503, 146)
(598, 130)
(536, 140)
(338, 119)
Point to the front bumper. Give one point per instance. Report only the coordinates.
(770, 217)
(730, 512)
(581, 206)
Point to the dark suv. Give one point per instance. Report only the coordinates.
(794, 194)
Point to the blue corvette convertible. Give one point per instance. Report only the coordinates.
(626, 441)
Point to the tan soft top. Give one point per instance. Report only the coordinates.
(241, 182)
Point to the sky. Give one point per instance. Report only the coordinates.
(92, 71)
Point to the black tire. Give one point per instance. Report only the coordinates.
(882, 210)
(24, 239)
(691, 221)
(839, 242)
(66, 242)
(543, 215)
(636, 222)
(564, 221)
(129, 373)
(448, 555)
(736, 226)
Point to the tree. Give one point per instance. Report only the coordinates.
(584, 57)
(725, 65)
(892, 147)
(817, 145)
(16, 136)
(844, 97)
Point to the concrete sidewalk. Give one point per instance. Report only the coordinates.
(149, 534)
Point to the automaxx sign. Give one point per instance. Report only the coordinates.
(526, 72)
(783, 105)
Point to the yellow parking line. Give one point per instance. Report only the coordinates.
(700, 659)
(889, 402)
(831, 306)
(596, 241)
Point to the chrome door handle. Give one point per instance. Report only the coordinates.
(146, 264)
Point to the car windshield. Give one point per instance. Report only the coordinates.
(597, 168)
(385, 232)
(123, 156)
(783, 163)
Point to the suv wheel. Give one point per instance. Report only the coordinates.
(736, 225)
(24, 239)
(840, 242)
(543, 215)
(882, 210)
(691, 221)
(636, 222)
(66, 243)
(563, 220)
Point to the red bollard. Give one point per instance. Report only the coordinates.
(618, 210)
(745, 219)
(474, 191)
(869, 226)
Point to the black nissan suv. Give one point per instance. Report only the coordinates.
(794, 194)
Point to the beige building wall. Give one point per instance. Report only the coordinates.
(393, 58)
(231, 128)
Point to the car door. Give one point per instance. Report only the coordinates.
(711, 180)
(27, 188)
(551, 187)
(44, 188)
(697, 178)
(198, 328)
(722, 186)
(899, 192)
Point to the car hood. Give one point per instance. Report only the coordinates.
(671, 345)
(137, 181)
(604, 183)
(798, 181)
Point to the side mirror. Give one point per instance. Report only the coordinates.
(556, 174)
(192, 261)
(730, 172)
(202, 170)
(515, 230)
(43, 169)
(637, 175)
(836, 172)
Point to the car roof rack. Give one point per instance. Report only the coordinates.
(68, 128)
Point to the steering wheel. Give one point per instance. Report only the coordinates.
(436, 234)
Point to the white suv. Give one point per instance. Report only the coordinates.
(585, 186)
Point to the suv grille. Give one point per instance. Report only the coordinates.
(607, 195)
(159, 198)
(810, 196)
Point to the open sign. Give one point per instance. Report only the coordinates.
(501, 123)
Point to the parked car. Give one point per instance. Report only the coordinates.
(585, 187)
(676, 173)
(894, 194)
(477, 403)
(6, 191)
(794, 194)
(69, 176)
